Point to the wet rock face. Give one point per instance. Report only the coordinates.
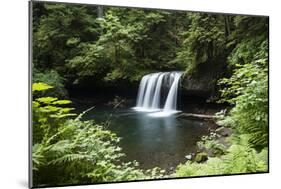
(202, 80)
(201, 87)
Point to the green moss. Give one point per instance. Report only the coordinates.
(201, 157)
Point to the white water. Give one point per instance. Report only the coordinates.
(148, 96)
(157, 93)
(142, 90)
(151, 90)
(171, 102)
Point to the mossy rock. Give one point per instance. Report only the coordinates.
(224, 131)
(201, 157)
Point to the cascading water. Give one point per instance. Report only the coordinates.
(157, 93)
(171, 102)
(151, 90)
(142, 90)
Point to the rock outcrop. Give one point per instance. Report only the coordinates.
(201, 87)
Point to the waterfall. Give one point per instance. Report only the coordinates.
(156, 98)
(142, 90)
(171, 102)
(151, 90)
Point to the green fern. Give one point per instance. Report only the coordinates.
(61, 146)
(238, 159)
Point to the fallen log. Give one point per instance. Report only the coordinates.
(201, 116)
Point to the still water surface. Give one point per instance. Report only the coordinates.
(152, 141)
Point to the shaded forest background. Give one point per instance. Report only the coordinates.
(91, 47)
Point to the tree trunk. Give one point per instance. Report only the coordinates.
(227, 27)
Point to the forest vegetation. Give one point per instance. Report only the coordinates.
(75, 46)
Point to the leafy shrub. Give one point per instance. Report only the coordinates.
(247, 89)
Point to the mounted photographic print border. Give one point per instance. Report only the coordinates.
(123, 94)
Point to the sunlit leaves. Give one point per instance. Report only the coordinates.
(40, 87)
(46, 100)
(61, 102)
(52, 78)
(35, 104)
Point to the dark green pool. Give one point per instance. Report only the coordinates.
(163, 142)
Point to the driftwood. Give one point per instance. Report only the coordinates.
(200, 116)
(118, 104)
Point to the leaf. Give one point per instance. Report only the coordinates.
(72, 41)
(35, 104)
(61, 102)
(59, 116)
(66, 110)
(49, 109)
(40, 87)
(46, 100)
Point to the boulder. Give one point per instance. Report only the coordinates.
(201, 157)
(224, 131)
(188, 157)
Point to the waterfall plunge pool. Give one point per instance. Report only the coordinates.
(152, 141)
(151, 133)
